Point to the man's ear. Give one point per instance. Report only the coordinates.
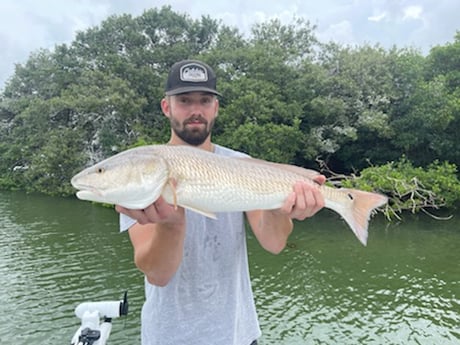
(165, 107)
(217, 107)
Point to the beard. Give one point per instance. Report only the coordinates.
(192, 135)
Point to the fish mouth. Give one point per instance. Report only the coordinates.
(83, 189)
(89, 190)
(75, 184)
(90, 195)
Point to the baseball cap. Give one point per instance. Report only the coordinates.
(189, 76)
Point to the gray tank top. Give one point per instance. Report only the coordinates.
(209, 300)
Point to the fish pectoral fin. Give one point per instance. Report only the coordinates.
(173, 183)
(202, 212)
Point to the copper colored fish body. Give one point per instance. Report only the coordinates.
(208, 183)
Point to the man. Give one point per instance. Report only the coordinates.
(197, 284)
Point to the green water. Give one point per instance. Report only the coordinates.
(325, 288)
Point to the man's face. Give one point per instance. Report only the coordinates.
(192, 116)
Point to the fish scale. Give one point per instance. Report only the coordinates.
(208, 183)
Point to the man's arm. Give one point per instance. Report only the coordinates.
(273, 227)
(157, 239)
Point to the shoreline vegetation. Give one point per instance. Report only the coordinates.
(370, 118)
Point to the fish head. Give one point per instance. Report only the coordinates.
(132, 179)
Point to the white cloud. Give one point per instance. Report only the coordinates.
(27, 25)
(377, 17)
(412, 12)
(341, 33)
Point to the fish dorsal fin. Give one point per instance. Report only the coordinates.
(308, 173)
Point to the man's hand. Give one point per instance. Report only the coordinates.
(160, 212)
(305, 200)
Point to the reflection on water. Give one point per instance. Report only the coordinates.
(54, 254)
(404, 288)
(325, 288)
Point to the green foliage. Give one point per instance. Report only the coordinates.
(445, 60)
(269, 141)
(50, 167)
(422, 129)
(286, 98)
(58, 160)
(411, 188)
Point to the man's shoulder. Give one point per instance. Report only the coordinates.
(225, 151)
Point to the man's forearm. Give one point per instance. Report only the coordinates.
(158, 250)
(272, 229)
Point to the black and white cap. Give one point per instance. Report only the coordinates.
(190, 76)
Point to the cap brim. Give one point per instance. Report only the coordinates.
(188, 89)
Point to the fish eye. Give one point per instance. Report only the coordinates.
(100, 170)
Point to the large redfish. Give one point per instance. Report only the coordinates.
(208, 183)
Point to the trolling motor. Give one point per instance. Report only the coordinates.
(92, 331)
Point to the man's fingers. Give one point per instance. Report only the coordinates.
(320, 179)
(289, 204)
(162, 208)
(308, 199)
(144, 216)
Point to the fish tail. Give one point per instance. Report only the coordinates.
(357, 211)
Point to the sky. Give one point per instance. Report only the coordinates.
(29, 25)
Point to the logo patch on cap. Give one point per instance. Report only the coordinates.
(193, 72)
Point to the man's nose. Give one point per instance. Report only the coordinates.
(196, 108)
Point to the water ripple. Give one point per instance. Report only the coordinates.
(52, 261)
(324, 293)
(325, 288)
